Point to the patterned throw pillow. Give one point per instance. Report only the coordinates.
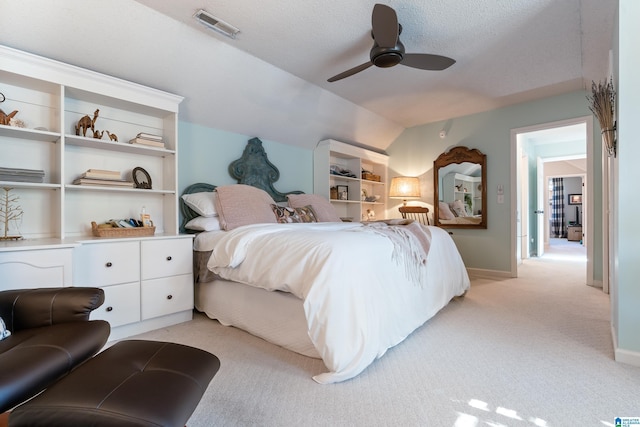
(287, 215)
(324, 210)
(4, 332)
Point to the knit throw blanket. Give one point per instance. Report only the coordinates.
(411, 243)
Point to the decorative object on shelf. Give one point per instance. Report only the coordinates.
(370, 176)
(112, 136)
(148, 139)
(333, 193)
(141, 178)
(21, 175)
(102, 177)
(86, 123)
(404, 187)
(97, 134)
(343, 192)
(5, 119)
(602, 103)
(17, 123)
(108, 230)
(9, 211)
(145, 218)
(371, 215)
(337, 170)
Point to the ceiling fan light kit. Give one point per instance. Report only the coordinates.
(216, 24)
(388, 50)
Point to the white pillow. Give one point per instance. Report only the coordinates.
(203, 203)
(203, 223)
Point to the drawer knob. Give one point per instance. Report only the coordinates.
(169, 296)
(109, 264)
(109, 308)
(169, 258)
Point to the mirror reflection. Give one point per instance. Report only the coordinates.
(460, 190)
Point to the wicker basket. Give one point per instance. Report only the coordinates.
(122, 232)
(370, 176)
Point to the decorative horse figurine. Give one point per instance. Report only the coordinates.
(86, 123)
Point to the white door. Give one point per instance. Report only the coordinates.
(540, 208)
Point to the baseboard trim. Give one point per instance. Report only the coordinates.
(627, 357)
(596, 284)
(480, 273)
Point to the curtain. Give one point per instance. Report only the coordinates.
(557, 208)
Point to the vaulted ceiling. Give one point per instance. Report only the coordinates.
(271, 80)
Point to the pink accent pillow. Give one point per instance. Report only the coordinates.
(240, 204)
(444, 211)
(325, 211)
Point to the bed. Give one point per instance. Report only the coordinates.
(283, 267)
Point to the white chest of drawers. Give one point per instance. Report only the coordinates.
(30, 268)
(148, 283)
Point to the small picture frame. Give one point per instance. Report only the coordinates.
(343, 192)
(141, 178)
(575, 199)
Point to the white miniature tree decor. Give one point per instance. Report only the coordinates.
(9, 211)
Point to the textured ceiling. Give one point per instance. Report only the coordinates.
(271, 81)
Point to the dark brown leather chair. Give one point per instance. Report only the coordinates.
(50, 335)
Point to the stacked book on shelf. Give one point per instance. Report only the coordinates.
(148, 139)
(21, 175)
(102, 177)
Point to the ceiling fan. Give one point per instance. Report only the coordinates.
(388, 50)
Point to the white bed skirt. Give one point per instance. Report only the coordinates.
(277, 317)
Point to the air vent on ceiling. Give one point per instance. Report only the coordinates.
(216, 24)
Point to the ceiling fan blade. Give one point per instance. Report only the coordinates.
(384, 25)
(350, 72)
(425, 61)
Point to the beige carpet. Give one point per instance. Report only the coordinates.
(532, 351)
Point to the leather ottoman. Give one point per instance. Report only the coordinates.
(132, 383)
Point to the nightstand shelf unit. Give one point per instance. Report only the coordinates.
(148, 281)
(331, 160)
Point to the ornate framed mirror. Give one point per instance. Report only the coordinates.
(460, 190)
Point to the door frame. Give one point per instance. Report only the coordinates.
(515, 174)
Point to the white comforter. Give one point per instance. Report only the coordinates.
(358, 298)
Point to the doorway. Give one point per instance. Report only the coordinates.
(533, 147)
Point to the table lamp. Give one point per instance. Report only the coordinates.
(404, 187)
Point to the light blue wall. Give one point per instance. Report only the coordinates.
(415, 150)
(205, 155)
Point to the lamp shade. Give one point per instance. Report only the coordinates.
(404, 187)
